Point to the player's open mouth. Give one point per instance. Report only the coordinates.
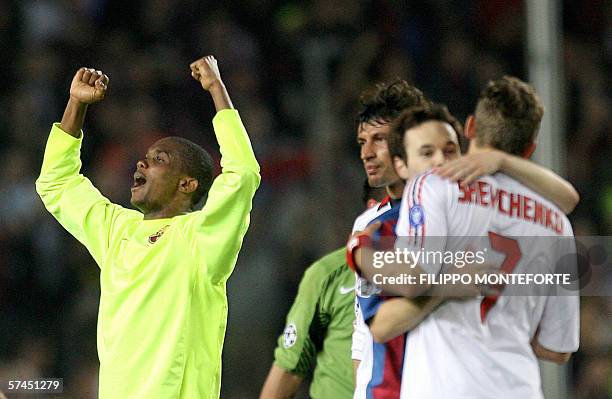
(139, 180)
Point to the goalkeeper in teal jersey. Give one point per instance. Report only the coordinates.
(318, 330)
(163, 305)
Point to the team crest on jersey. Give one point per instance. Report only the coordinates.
(154, 237)
(289, 336)
(416, 215)
(366, 289)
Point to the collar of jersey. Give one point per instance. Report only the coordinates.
(390, 201)
(156, 221)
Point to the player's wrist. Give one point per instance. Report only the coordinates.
(353, 246)
(216, 86)
(503, 160)
(76, 102)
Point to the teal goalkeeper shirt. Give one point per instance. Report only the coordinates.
(163, 304)
(319, 328)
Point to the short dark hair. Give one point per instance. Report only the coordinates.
(414, 117)
(387, 101)
(508, 115)
(196, 162)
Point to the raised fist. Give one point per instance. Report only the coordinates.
(206, 71)
(88, 86)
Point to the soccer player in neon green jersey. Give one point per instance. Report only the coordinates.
(163, 269)
(317, 335)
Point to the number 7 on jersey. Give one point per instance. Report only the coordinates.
(510, 248)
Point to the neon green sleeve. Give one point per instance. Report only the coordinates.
(71, 198)
(221, 225)
(305, 324)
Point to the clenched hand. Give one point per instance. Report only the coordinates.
(206, 71)
(88, 86)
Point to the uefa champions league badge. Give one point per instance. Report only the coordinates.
(416, 215)
(289, 336)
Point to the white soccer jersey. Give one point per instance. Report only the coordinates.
(361, 348)
(471, 348)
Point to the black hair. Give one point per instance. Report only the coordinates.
(196, 162)
(414, 117)
(387, 101)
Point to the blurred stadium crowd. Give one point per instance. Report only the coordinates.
(294, 70)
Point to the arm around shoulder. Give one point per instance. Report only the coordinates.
(542, 180)
(400, 315)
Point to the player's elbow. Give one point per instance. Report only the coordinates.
(257, 177)
(387, 325)
(47, 191)
(241, 181)
(380, 334)
(250, 178)
(570, 202)
(41, 186)
(574, 200)
(412, 291)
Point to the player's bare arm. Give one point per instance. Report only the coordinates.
(542, 180)
(363, 259)
(546, 354)
(398, 315)
(280, 384)
(88, 87)
(363, 256)
(206, 71)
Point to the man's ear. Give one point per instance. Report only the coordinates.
(470, 128)
(401, 169)
(529, 150)
(188, 185)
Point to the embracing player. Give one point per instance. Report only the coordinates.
(485, 347)
(379, 366)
